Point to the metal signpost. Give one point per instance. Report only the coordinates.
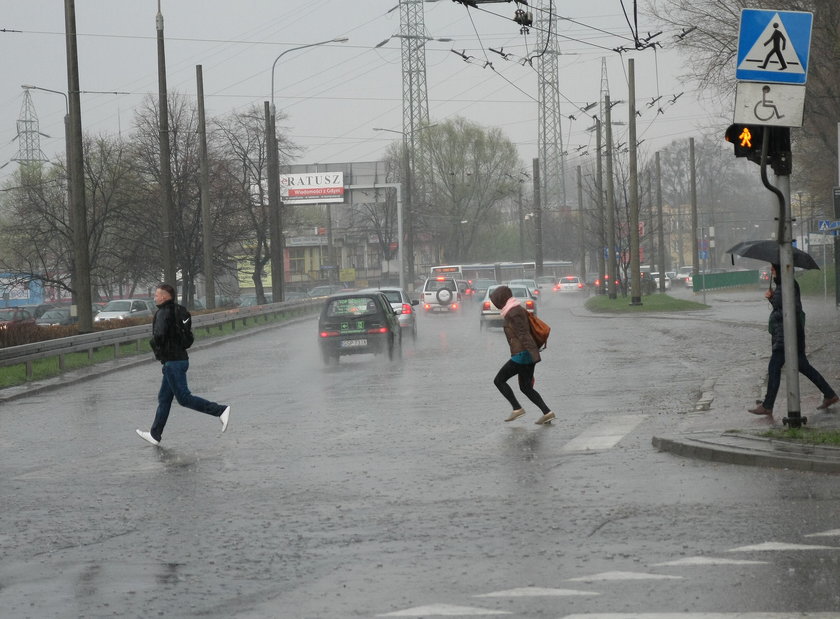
(772, 68)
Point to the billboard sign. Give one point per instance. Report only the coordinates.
(312, 188)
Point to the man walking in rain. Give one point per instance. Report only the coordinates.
(777, 357)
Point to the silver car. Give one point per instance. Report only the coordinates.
(403, 307)
(491, 316)
(119, 309)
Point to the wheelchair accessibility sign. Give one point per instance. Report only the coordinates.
(776, 105)
(773, 46)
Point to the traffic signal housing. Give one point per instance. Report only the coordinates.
(747, 141)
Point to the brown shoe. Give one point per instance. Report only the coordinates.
(828, 402)
(516, 414)
(545, 418)
(760, 410)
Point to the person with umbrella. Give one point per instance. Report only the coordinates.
(777, 356)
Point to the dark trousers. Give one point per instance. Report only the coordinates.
(774, 376)
(174, 385)
(526, 384)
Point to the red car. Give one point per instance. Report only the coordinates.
(15, 316)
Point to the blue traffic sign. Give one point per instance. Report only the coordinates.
(827, 225)
(773, 46)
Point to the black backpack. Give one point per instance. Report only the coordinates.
(183, 326)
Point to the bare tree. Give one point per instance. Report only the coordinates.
(471, 177)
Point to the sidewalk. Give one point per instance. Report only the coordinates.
(721, 430)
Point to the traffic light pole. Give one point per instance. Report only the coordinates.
(782, 166)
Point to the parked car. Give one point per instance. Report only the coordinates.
(441, 294)
(569, 283)
(403, 306)
(353, 323)
(10, 316)
(120, 309)
(491, 316)
(55, 317)
(655, 276)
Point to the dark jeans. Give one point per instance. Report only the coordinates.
(774, 377)
(174, 385)
(526, 384)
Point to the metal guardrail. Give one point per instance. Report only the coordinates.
(139, 335)
(730, 279)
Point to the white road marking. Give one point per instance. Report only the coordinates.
(831, 533)
(775, 546)
(444, 610)
(831, 615)
(603, 435)
(534, 592)
(624, 576)
(710, 561)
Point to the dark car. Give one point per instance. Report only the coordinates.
(56, 317)
(358, 322)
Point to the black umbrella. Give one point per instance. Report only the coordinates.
(768, 251)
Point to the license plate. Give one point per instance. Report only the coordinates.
(353, 343)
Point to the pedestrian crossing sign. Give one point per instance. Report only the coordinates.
(773, 46)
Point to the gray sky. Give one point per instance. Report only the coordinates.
(334, 95)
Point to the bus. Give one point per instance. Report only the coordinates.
(504, 271)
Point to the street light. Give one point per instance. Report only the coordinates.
(275, 219)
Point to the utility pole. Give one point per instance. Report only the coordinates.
(538, 259)
(581, 236)
(168, 214)
(275, 231)
(204, 181)
(636, 288)
(662, 266)
(81, 255)
(610, 257)
(695, 253)
(521, 226)
(599, 187)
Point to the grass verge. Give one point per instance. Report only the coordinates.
(806, 435)
(650, 303)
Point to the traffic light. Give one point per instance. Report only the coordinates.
(747, 141)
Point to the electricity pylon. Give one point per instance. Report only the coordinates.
(28, 133)
(550, 135)
(415, 99)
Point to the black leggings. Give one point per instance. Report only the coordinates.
(526, 384)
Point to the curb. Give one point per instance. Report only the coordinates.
(750, 450)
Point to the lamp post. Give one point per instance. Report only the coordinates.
(275, 216)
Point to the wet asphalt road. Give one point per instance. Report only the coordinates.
(372, 487)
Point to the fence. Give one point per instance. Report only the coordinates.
(139, 335)
(730, 279)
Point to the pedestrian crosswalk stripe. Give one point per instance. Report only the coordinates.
(623, 576)
(604, 435)
(831, 533)
(808, 615)
(535, 592)
(709, 561)
(444, 610)
(774, 546)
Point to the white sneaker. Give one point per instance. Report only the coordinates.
(516, 414)
(224, 418)
(147, 436)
